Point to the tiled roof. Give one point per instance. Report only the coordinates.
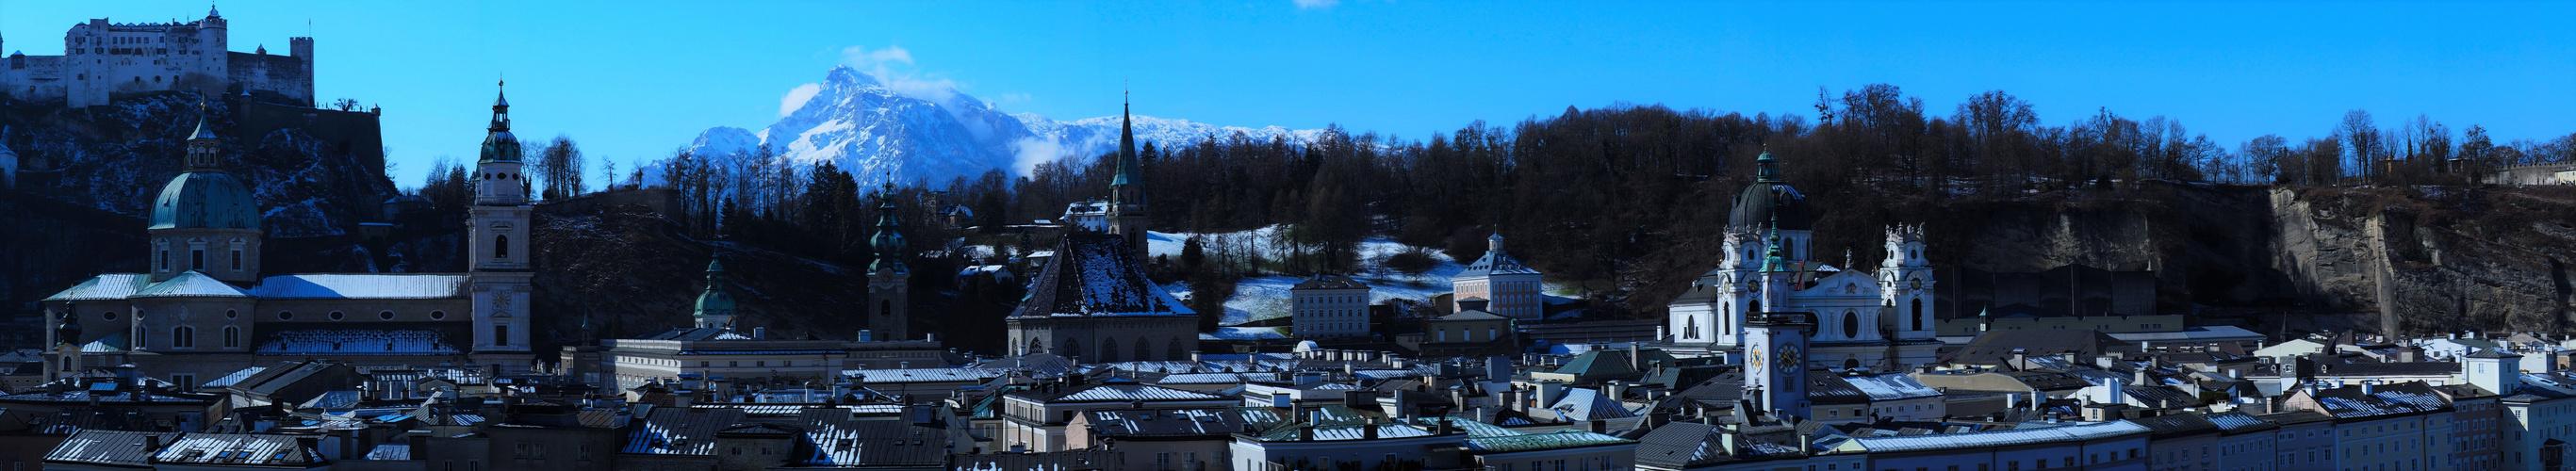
(924, 375)
(1544, 441)
(1132, 392)
(1328, 433)
(838, 440)
(236, 377)
(1097, 275)
(1496, 263)
(107, 447)
(2238, 422)
(680, 431)
(1586, 404)
(1329, 282)
(1891, 386)
(362, 286)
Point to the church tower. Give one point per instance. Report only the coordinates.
(1775, 345)
(1905, 282)
(716, 308)
(498, 240)
(205, 220)
(1127, 189)
(67, 344)
(889, 281)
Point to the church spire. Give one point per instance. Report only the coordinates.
(1127, 163)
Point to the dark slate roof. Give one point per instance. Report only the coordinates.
(108, 448)
(1726, 388)
(695, 333)
(2236, 422)
(680, 430)
(2295, 417)
(1329, 282)
(840, 440)
(1076, 460)
(1496, 263)
(2177, 425)
(1691, 444)
(1766, 203)
(1996, 347)
(1613, 362)
(1824, 387)
(1096, 275)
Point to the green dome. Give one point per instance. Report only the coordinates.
(500, 146)
(205, 200)
(714, 302)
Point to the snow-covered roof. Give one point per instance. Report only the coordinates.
(191, 285)
(112, 286)
(362, 286)
(2071, 433)
(1097, 275)
(1544, 441)
(1134, 392)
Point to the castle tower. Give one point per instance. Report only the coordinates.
(498, 240)
(716, 308)
(1775, 345)
(205, 220)
(889, 281)
(1127, 189)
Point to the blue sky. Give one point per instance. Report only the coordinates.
(634, 80)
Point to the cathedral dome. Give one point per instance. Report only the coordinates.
(715, 302)
(1770, 200)
(500, 146)
(205, 200)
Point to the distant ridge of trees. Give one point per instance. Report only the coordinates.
(1587, 194)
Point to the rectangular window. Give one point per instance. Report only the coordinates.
(196, 259)
(237, 262)
(500, 336)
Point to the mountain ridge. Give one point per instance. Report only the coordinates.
(875, 132)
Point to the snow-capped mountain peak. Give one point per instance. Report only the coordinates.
(873, 130)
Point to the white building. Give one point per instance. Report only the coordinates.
(1329, 306)
(1882, 322)
(101, 58)
(1510, 288)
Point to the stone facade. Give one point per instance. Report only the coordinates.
(102, 59)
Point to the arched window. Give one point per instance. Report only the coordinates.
(501, 246)
(1917, 306)
(1175, 349)
(1108, 351)
(1035, 347)
(1145, 350)
(1690, 327)
(1851, 363)
(1788, 247)
(1071, 347)
(183, 337)
(232, 337)
(1851, 324)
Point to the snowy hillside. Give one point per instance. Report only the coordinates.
(871, 130)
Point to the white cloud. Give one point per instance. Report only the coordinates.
(1029, 152)
(1304, 4)
(797, 97)
(893, 66)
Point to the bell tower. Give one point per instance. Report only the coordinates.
(1127, 189)
(1905, 281)
(889, 281)
(498, 240)
(1775, 345)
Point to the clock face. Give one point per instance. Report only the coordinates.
(1915, 284)
(1754, 360)
(1788, 358)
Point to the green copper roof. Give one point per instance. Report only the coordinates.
(715, 301)
(888, 242)
(205, 199)
(500, 145)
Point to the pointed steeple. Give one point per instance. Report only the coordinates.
(1772, 261)
(888, 240)
(1127, 163)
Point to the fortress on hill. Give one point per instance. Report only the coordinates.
(102, 60)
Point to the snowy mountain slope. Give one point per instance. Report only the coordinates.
(875, 132)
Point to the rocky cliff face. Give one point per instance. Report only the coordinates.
(2416, 260)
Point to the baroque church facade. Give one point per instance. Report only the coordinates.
(204, 308)
(1882, 321)
(1092, 301)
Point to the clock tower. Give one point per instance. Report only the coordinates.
(1775, 345)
